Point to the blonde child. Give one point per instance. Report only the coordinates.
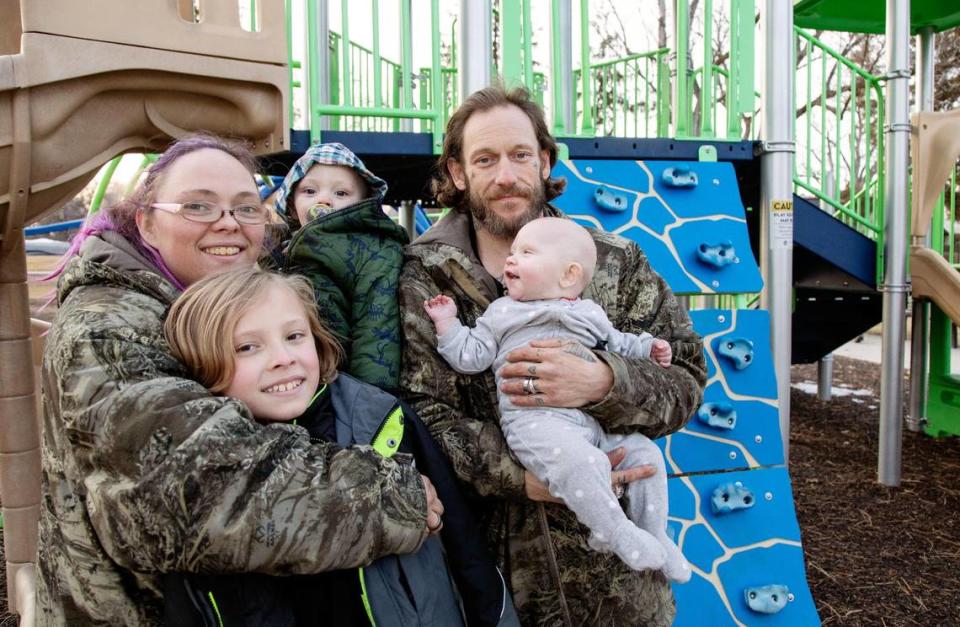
(351, 252)
(255, 336)
(551, 262)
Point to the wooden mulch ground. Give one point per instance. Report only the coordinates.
(874, 555)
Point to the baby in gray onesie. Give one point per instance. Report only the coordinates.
(552, 260)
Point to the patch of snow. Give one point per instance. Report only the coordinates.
(810, 387)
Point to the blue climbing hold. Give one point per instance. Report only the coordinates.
(610, 200)
(679, 177)
(767, 599)
(738, 350)
(719, 415)
(729, 497)
(717, 255)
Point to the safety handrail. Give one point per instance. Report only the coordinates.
(644, 75)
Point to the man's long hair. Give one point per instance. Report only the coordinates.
(442, 185)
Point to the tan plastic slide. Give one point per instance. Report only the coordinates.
(936, 280)
(81, 83)
(935, 148)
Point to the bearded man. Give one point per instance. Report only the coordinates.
(494, 174)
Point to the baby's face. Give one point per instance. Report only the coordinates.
(327, 188)
(535, 266)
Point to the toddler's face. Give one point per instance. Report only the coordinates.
(535, 266)
(277, 369)
(327, 188)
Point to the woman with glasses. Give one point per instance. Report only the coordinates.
(145, 472)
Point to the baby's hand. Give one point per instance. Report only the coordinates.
(661, 352)
(442, 310)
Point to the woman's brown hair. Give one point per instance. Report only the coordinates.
(200, 325)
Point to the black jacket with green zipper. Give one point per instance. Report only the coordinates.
(393, 591)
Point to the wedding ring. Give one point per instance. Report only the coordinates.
(529, 386)
(618, 490)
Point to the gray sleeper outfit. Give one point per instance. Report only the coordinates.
(566, 448)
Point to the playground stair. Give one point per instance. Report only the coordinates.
(834, 277)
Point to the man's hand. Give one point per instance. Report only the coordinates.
(559, 373)
(442, 310)
(537, 490)
(661, 352)
(434, 507)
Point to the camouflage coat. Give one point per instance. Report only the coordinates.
(556, 578)
(353, 257)
(144, 472)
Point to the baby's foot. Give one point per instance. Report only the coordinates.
(675, 567)
(638, 549)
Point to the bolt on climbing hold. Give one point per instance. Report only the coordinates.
(609, 199)
(719, 415)
(679, 177)
(738, 350)
(768, 599)
(717, 255)
(730, 497)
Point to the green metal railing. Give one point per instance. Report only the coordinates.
(630, 96)
(367, 91)
(359, 82)
(840, 133)
(944, 226)
(840, 137)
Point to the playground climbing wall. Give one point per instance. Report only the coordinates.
(731, 506)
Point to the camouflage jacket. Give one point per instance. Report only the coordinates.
(556, 578)
(353, 257)
(144, 472)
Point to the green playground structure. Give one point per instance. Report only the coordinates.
(820, 154)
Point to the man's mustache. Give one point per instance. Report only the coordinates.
(513, 190)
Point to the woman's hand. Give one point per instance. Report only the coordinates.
(555, 373)
(537, 490)
(434, 507)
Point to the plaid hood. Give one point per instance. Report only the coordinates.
(327, 154)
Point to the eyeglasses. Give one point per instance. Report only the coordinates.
(201, 211)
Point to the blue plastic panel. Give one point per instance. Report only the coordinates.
(731, 552)
(755, 440)
(668, 223)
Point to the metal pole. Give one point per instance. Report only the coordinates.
(406, 61)
(825, 377)
(895, 285)
(476, 36)
(919, 333)
(346, 94)
(825, 365)
(776, 193)
(681, 41)
(408, 219)
(587, 126)
(706, 88)
(318, 63)
(561, 66)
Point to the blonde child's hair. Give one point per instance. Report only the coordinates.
(200, 324)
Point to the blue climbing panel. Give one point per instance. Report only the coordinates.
(738, 424)
(739, 551)
(731, 506)
(687, 217)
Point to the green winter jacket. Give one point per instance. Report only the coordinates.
(353, 258)
(555, 577)
(144, 472)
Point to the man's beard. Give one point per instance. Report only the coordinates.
(496, 225)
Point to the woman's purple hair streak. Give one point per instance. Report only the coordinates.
(122, 217)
